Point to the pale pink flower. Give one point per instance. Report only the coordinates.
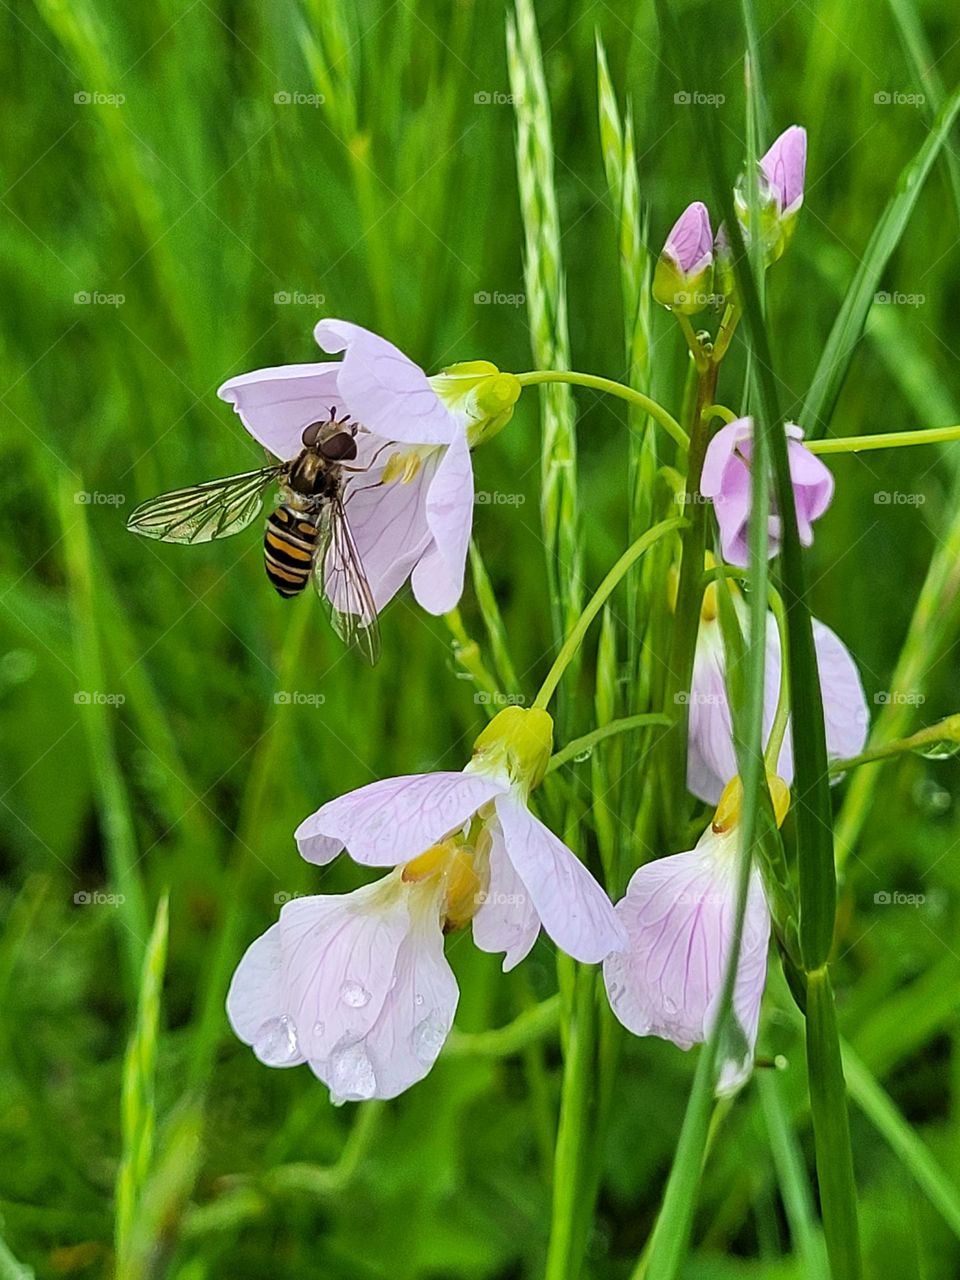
(410, 504)
(679, 914)
(533, 878)
(726, 481)
(711, 760)
(358, 986)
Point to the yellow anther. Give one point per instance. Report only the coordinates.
(729, 809)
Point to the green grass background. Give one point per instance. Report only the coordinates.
(199, 199)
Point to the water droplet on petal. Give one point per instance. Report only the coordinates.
(355, 995)
(428, 1036)
(419, 1000)
(319, 1029)
(277, 1043)
(351, 1073)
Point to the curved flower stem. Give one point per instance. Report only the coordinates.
(947, 730)
(701, 357)
(596, 603)
(536, 1023)
(656, 411)
(725, 333)
(885, 440)
(589, 740)
(719, 411)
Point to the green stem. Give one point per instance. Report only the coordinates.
(885, 440)
(700, 358)
(689, 594)
(831, 1129)
(725, 333)
(574, 1134)
(947, 730)
(589, 740)
(595, 604)
(656, 411)
(527, 1028)
(719, 411)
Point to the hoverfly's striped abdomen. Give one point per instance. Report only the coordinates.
(289, 545)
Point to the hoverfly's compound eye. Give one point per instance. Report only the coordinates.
(339, 448)
(311, 432)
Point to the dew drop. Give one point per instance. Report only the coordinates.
(419, 1000)
(276, 1043)
(581, 756)
(351, 1074)
(319, 1028)
(355, 994)
(428, 1036)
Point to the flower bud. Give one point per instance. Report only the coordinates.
(477, 389)
(780, 192)
(517, 741)
(683, 278)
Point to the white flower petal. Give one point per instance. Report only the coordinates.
(276, 404)
(574, 909)
(383, 388)
(437, 580)
(391, 821)
(507, 921)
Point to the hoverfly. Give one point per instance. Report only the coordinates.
(307, 537)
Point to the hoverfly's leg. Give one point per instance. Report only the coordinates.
(389, 444)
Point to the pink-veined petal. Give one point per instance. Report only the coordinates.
(437, 580)
(574, 909)
(784, 167)
(383, 388)
(257, 1003)
(389, 526)
(389, 822)
(276, 404)
(507, 921)
(417, 1014)
(678, 913)
(339, 961)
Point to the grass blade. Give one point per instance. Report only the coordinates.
(848, 327)
(137, 1103)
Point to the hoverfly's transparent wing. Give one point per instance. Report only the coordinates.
(204, 512)
(342, 585)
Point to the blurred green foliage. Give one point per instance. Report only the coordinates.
(209, 218)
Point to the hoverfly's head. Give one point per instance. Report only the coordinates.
(332, 438)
